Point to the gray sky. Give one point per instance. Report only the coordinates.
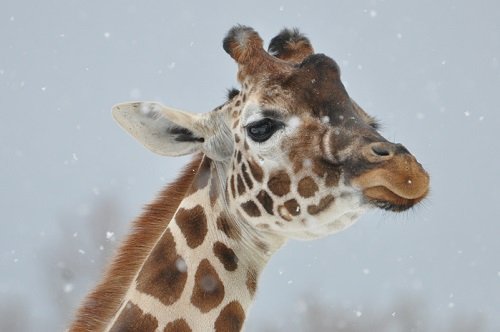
(429, 70)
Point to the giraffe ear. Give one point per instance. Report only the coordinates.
(164, 130)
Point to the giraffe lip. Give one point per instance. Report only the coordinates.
(383, 198)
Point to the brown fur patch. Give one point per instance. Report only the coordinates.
(231, 318)
(160, 277)
(293, 207)
(231, 184)
(235, 124)
(103, 302)
(257, 172)
(251, 281)
(266, 201)
(332, 179)
(226, 256)
(307, 187)
(251, 208)
(132, 319)
(193, 225)
(332, 175)
(323, 204)
(225, 225)
(240, 185)
(208, 290)
(202, 176)
(214, 188)
(246, 177)
(178, 325)
(279, 183)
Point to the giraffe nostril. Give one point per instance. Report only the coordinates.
(381, 150)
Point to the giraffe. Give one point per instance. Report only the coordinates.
(289, 156)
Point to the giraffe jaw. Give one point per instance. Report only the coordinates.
(347, 207)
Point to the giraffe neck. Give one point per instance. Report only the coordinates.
(202, 272)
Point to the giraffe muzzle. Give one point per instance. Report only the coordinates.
(398, 182)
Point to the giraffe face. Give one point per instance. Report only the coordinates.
(307, 160)
(290, 167)
(299, 157)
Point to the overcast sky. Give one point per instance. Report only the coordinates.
(429, 70)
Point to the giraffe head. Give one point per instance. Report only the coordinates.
(296, 156)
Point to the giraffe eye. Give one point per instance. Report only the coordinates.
(262, 130)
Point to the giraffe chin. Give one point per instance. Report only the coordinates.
(386, 199)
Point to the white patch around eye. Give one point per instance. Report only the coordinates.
(325, 119)
(251, 113)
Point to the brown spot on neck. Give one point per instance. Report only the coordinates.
(133, 319)
(161, 277)
(202, 175)
(208, 290)
(214, 191)
(226, 256)
(231, 318)
(178, 325)
(193, 225)
(251, 281)
(251, 209)
(227, 226)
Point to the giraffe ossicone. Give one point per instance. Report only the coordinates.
(290, 155)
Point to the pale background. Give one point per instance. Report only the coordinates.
(71, 181)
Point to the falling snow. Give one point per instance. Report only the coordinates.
(68, 287)
(181, 265)
(208, 283)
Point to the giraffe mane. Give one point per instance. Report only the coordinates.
(102, 303)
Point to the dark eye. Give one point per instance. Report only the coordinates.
(262, 130)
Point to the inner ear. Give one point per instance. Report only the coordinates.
(185, 135)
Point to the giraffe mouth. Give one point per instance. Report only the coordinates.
(397, 185)
(385, 199)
